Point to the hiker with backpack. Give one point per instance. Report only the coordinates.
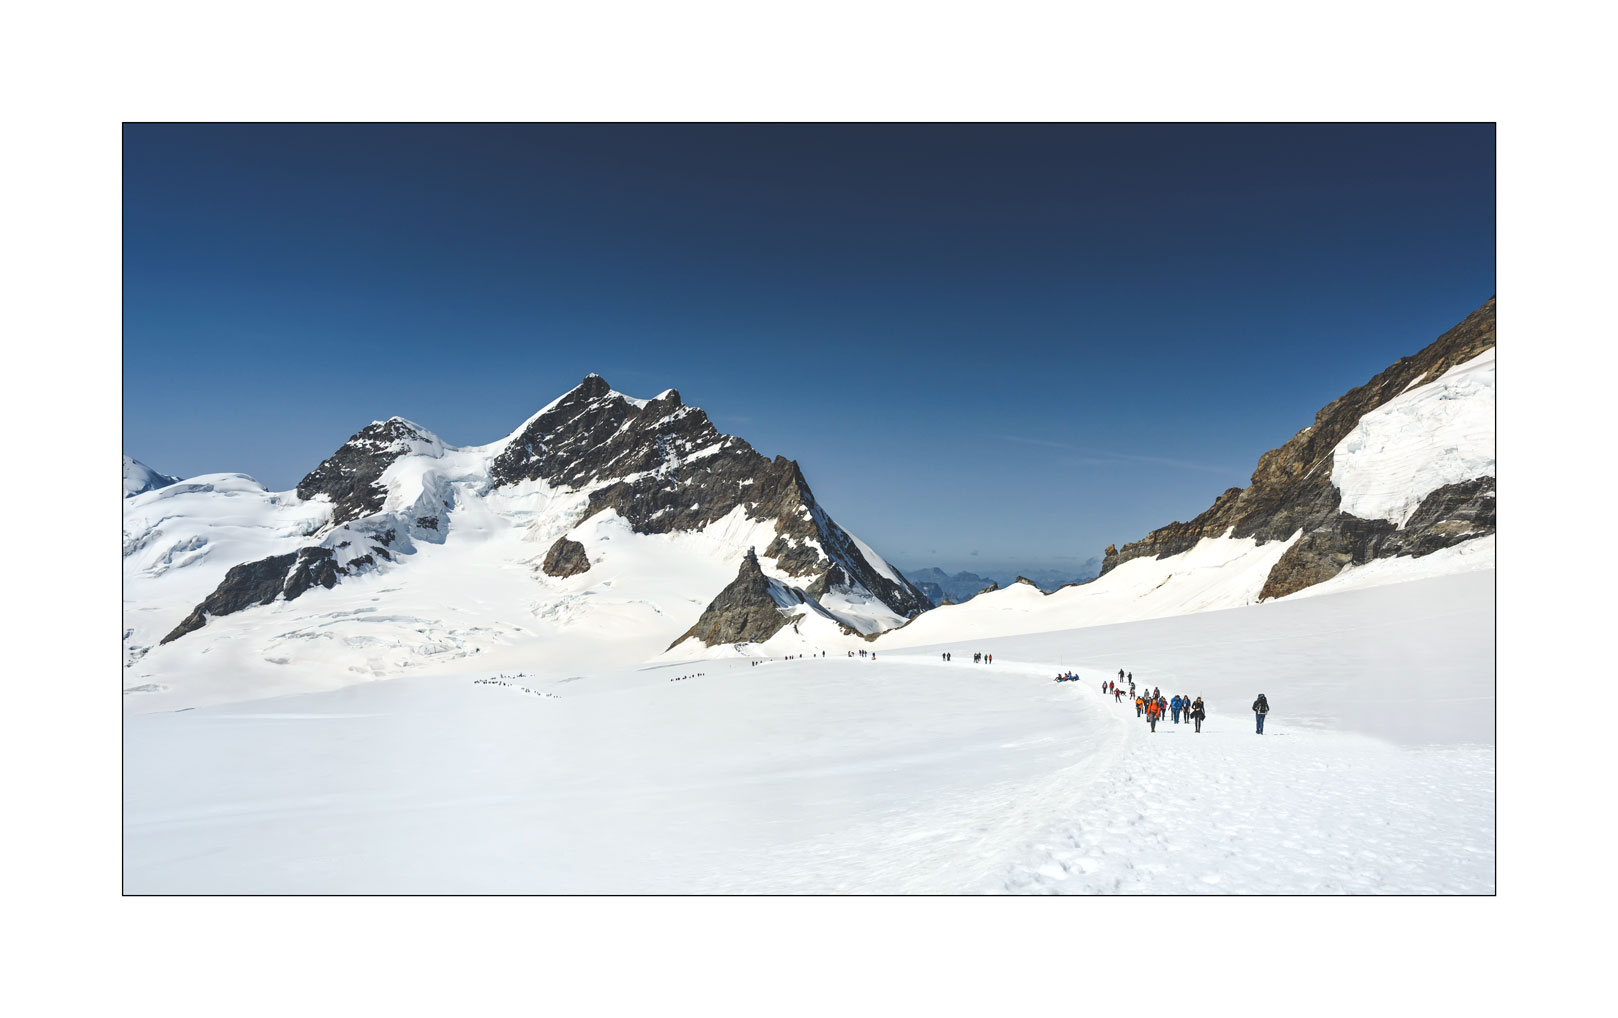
(1261, 707)
(1154, 710)
(1174, 708)
(1198, 712)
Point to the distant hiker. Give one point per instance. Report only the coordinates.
(1132, 678)
(1140, 706)
(1120, 673)
(1117, 695)
(1154, 710)
(1261, 707)
(1198, 712)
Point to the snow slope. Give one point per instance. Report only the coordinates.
(899, 774)
(1431, 435)
(1218, 573)
(139, 477)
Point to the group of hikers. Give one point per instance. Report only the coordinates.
(501, 681)
(693, 675)
(864, 653)
(790, 657)
(981, 658)
(1153, 705)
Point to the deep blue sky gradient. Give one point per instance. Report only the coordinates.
(988, 346)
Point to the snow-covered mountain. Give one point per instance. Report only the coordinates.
(138, 477)
(600, 531)
(1394, 481)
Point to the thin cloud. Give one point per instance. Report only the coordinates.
(1091, 458)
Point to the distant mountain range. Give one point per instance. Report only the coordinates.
(960, 587)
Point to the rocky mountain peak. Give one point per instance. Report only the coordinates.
(349, 477)
(593, 387)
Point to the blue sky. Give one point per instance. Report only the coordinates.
(988, 346)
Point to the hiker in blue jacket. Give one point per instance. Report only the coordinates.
(1174, 708)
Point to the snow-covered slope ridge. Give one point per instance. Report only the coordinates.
(1401, 466)
(1393, 482)
(138, 477)
(602, 526)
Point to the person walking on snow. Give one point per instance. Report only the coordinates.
(1140, 706)
(1154, 710)
(1261, 707)
(1174, 707)
(1198, 711)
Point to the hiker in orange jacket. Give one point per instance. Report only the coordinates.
(1154, 710)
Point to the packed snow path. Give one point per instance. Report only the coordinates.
(903, 774)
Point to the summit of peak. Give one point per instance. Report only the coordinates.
(593, 386)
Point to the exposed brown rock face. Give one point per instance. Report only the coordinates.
(744, 612)
(1292, 490)
(566, 558)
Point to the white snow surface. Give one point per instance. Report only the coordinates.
(1428, 436)
(1220, 572)
(895, 774)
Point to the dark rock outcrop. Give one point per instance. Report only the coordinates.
(744, 612)
(1447, 516)
(286, 576)
(566, 558)
(349, 476)
(261, 582)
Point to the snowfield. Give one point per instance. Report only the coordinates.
(838, 774)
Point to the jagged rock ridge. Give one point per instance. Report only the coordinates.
(1292, 489)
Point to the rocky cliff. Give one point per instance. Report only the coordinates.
(1293, 490)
